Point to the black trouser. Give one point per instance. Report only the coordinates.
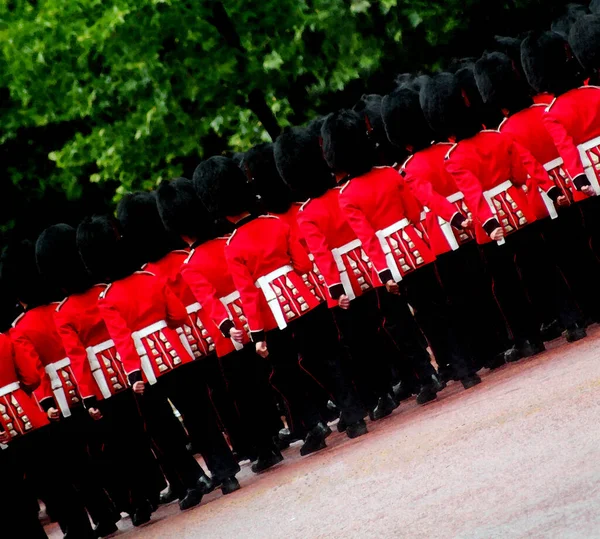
(568, 241)
(422, 290)
(188, 392)
(46, 465)
(316, 336)
(127, 452)
(178, 464)
(19, 506)
(73, 433)
(590, 209)
(224, 405)
(248, 383)
(360, 332)
(468, 287)
(523, 274)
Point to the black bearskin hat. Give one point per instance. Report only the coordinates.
(223, 188)
(446, 109)
(500, 84)
(404, 122)
(547, 62)
(58, 259)
(594, 6)
(370, 107)
(182, 212)
(346, 144)
(314, 126)
(103, 249)
(259, 165)
(572, 12)
(143, 227)
(487, 115)
(21, 275)
(301, 164)
(585, 41)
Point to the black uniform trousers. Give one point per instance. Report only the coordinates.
(40, 454)
(360, 333)
(523, 274)
(187, 390)
(74, 433)
(422, 290)
(248, 382)
(127, 453)
(468, 287)
(18, 505)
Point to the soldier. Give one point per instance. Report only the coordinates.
(205, 272)
(142, 316)
(101, 379)
(34, 334)
(284, 317)
(447, 225)
(375, 208)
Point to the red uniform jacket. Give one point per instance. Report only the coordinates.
(82, 329)
(266, 264)
(487, 161)
(142, 315)
(19, 376)
(425, 174)
(206, 273)
(36, 340)
(325, 230)
(194, 333)
(378, 211)
(573, 119)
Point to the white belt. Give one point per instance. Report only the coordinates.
(455, 197)
(227, 301)
(491, 193)
(264, 283)
(137, 337)
(587, 164)
(57, 385)
(96, 368)
(551, 165)
(193, 308)
(9, 388)
(338, 253)
(382, 235)
(555, 163)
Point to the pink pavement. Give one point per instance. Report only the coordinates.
(516, 456)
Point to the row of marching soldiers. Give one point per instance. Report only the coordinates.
(317, 276)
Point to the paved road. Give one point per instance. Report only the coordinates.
(517, 456)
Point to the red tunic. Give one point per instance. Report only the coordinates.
(19, 376)
(36, 338)
(425, 174)
(93, 355)
(492, 161)
(267, 265)
(206, 273)
(142, 315)
(325, 230)
(573, 119)
(194, 333)
(376, 207)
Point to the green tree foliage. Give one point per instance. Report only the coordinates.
(101, 97)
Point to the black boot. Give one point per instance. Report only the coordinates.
(575, 333)
(192, 498)
(385, 406)
(166, 497)
(141, 515)
(356, 429)
(552, 330)
(267, 461)
(531, 348)
(513, 354)
(229, 485)
(342, 426)
(427, 394)
(324, 429)
(470, 381)
(206, 484)
(497, 361)
(402, 392)
(315, 440)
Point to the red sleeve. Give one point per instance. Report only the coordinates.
(428, 196)
(523, 163)
(298, 255)
(26, 355)
(176, 313)
(365, 232)
(317, 245)
(249, 293)
(121, 335)
(564, 144)
(461, 165)
(76, 352)
(27, 370)
(205, 293)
